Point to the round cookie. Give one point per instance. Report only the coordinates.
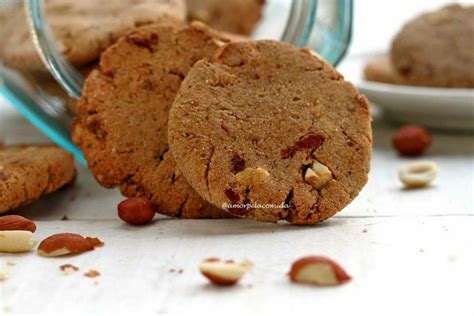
(28, 172)
(84, 29)
(123, 115)
(436, 49)
(234, 16)
(380, 69)
(274, 127)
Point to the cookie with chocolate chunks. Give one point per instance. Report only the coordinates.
(271, 132)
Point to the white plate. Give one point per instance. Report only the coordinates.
(433, 107)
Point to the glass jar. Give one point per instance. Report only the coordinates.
(46, 97)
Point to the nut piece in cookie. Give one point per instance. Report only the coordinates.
(285, 135)
(318, 175)
(319, 271)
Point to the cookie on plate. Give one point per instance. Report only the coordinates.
(271, 132)
(380, 69)
(84, 29)
(233, 16)
(28, 172)
(436, 49)
(122, 123)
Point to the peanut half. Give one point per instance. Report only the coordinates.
(16, 241)
(418, 174)
(318, 175)
(224, 273)
(16, 222)
(66, 244)
(3, 273)
(318, 270)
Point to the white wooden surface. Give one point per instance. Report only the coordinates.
(418, 252)
(417, 256)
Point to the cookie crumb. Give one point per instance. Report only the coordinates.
(10, 262)
(3, 274)
(364, 230)
(92, 273)
(68, 269)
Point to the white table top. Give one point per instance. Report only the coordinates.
(418, 249)
(417, 254)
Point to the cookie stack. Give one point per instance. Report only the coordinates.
(435, 49)
(207, 124)
(83, 30)
(206, 127)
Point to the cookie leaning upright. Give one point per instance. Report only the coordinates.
(436, 49)
(28, 172)
(123, 114)
(268, 123)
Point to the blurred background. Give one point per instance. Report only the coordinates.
(376, 22)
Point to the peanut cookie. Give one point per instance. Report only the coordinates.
(380, 69)
(234, 16)
(123, 115)
(436, 49)
(84, 29)
(28, 172)
(272, 127)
